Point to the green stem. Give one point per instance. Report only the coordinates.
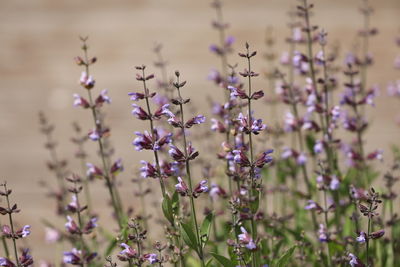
(193, 209)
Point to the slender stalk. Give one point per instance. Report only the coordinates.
(326, 223)
(187, 165)
(369, 231)
(152, 129)
(11, 225)
(117, 208)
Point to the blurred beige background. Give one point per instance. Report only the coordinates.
(39, 39)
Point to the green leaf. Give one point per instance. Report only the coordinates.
(209, 262)
(205, 229)
(310, 142)
(189, 237)
(223, 260)
(167, 209)
(284, 259)
(256, 202)
(175, 202)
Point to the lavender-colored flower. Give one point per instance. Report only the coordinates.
(312, 205)
(147, 170)
(80, 101)
(90, 225)
(143, 141)
(323, 234)
(201, 187)
(246, 239)
(264, 158)
(290, 123)
(6, 262)
(136, 96)
(117, 167)
(241, 158)
(257, 126)
(301, 159)
(362, 238)
(25, 259)
(237, 93)
(139, 112)
(151, 258)
(166, 111)
(73, 257)
(217, 126)
(335, 183)
(73, 205)
(126, 254)
(25, 231)
(377, 154)
(103, 98)
(93, 171)
(71, 226)
(94, 135)
(181, 187)
(86, 81)
(176, 154)
(354, 261)
(195, 120)
(319, 147)
(216, 191)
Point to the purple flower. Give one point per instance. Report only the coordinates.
(377, 154)
(25, 231)
(216, 191)
(264, 158)
(354, 261)
(139, 113)
(80, 101)
(126, 254)
(319, 147)
(200, 188)
(196, 120)
(176, 154)
(93, 171)
(181, 187)
(241, 158)
(237, 93)
(117, 167)
(73, 257)
(136, 96)
(25, 259)
(217, 126)
(245, 238)
(362, 238)
(6, 262)
(323, 234)
(90, 225)
(166, 111)
(103, 98)
(257, 126)
(143, 141)
(301, 159)
(290, 123)
(312, 205)
(94, 135)
(147, 170)
(71, 226)
(73, 205)
(86, 81)
(151, 258)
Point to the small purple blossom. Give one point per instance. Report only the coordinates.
(245, 238)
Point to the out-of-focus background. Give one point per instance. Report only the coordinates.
(39, 40)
